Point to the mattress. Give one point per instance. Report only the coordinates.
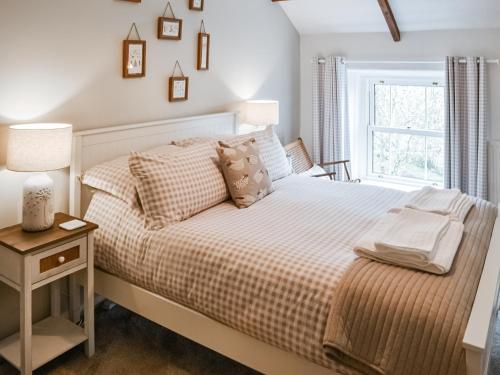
(270, 270)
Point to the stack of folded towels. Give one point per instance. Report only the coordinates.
(423, 233)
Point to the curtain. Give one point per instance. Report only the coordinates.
(330, 122)
(466, 158)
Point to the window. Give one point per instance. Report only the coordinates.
(406, 131)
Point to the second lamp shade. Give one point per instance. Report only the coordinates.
(262, 112)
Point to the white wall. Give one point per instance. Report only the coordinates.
(61, 60)
(429, 45)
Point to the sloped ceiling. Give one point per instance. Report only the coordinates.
(341, 16)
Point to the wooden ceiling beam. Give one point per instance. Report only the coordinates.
(389, 18)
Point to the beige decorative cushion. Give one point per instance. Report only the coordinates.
(175, 187)
(114, 177)
(272, 151)
(246, 176)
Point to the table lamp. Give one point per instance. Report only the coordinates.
(38, 148)
(259, 114)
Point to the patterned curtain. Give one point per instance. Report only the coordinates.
(466, 158)
(330, 122)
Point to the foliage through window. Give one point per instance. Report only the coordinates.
(406, 131)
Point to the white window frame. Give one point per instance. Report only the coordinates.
(406, 79)
(372, 128)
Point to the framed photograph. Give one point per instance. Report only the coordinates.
(203, 51)
(196, 4)
(169, 28)
(178, 89)
(134, 58)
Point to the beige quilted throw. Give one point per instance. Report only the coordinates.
(390, 320)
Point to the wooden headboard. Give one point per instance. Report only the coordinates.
(96, 146)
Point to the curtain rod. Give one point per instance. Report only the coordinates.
(462, 61)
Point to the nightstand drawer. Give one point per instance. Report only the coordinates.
(59, 259)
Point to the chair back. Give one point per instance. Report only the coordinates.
(301, 161)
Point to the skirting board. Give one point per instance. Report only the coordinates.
(203, 330)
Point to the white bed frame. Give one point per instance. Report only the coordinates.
(96, 146)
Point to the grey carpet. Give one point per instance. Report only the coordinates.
(129, 344)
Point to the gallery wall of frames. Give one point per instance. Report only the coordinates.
(170, 31)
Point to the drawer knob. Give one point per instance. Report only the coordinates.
(61, 260)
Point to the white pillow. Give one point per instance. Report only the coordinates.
(315, 171)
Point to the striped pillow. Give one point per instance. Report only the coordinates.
(272, 152)
(175, 187)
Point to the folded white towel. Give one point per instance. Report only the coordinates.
(412, 233)
(440, 264)
(430, 199)
(461, 208)
(458, 210)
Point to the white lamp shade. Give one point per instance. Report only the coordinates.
(262, 112)
(39, 147)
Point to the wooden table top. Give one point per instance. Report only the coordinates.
(25, 243)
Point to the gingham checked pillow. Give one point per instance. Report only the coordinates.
(114, 177)
(271, 150)
(175, 187)
(246, 176)
(188, 142)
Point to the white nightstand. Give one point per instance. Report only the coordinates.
(29, 261)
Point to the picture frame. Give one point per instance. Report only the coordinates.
(203, 51)
(178, 90)
(169, 28)
(133, 1)
(134, 58)
(196, 5)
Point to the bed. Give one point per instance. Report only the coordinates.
(165, 281)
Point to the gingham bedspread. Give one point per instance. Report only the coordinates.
(269, 271)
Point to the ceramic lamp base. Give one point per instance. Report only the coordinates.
(38, 203)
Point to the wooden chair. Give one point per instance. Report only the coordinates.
(302, 162)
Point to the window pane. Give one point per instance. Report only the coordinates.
(435, 108)
(383, 105)
(435, 159)
(408, 156)
(412, 151)
(408, 107)
(381, 149)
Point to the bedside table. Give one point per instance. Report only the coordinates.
(29, 261)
